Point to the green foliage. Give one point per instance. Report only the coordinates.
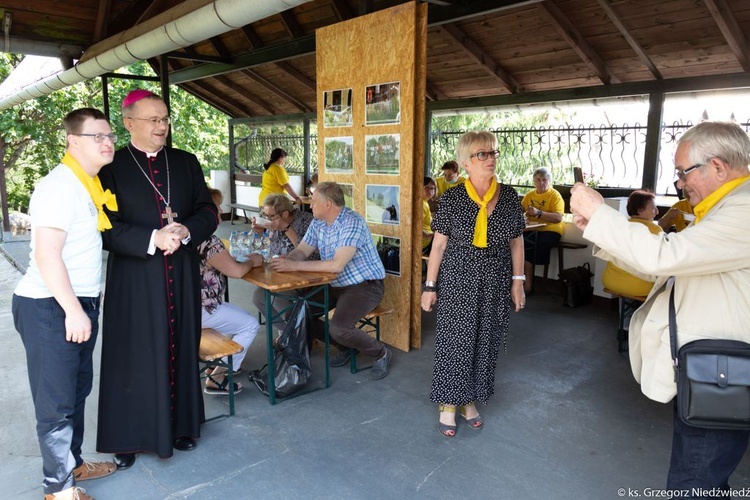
(32, 142)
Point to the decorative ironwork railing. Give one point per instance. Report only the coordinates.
(253, 151)
(609, 155)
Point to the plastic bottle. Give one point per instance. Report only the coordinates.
(265, 247)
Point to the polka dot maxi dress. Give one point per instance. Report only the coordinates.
(473, 298)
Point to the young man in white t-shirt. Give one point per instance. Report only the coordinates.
(56, 303)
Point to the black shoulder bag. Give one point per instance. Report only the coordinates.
(713, 380)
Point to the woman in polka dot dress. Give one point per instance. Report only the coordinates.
(475, 270)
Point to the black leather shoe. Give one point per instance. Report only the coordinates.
(184, 444)
(124, 460)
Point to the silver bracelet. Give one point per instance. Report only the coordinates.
(520, 277)
(430, 283)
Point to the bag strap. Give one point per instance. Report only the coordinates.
(673, 333)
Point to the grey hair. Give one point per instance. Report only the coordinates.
(712, 139)
(279, 203)
(542, 171)
(331, 191)
(470, 140)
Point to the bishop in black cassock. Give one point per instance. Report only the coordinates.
(150, 392)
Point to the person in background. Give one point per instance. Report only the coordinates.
(228, 319)
(428, 191)
(708, 267)
(56, 303)
(153, 302)
(476, 261)
(450, 177)
(286, 229)
(275, 179)
(544, 204)
(311, 184)
(678, 216)
(347, 249)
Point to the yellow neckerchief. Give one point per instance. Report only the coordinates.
(94, 187)
(480, 226)
(702, 208)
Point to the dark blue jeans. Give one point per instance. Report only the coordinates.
(60, 375)
(704, 458)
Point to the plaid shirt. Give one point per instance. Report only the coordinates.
(348, 230)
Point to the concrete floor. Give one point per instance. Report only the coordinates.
(567, 422)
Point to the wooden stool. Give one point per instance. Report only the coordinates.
(625, 309)
(562, 245)
(371, 320)
(215, 346)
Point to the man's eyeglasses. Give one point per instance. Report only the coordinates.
(681, 174)
(99, 138)
(153, 120)
(483, 155)
(265, 215)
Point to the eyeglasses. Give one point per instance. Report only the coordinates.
(681, 174)
(483, 155)
(265, 215)
(99, 138)
(153, 120)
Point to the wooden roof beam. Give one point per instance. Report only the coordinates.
(102, 18)
(434, 93)
(482, 58)
(606, 5)
(227, 105)
(247, 95)
(291, 25)
(255, 43)
(578, 43)
(342, 10)
(276, 90)
(731, 30)
(139, 11)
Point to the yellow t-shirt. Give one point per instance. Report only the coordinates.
(621, 281)
(426, 223)
(548, 201)
(683, 206)
(443, 186)
(273, 182)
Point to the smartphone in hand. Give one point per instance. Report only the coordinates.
(577, 174)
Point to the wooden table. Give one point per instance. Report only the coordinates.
(305, 202)
(276, 283)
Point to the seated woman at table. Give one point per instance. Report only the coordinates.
(311, 184)
(543, 205)
(676, 216)
(428, 191)
(286, 229)
(228, 319)
(642, 209)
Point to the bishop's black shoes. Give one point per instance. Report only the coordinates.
(184, 444)
(124, 460)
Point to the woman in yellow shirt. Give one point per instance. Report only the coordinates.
(428, 191)
(641, 209)
(450, 178)
(275, 179)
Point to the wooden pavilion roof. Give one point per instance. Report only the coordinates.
(476, 48)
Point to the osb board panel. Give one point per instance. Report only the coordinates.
(376, 49)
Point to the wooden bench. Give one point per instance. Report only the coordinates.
(244, 208)
(628, 305)
(252, 179)
(214, 347)
(372, 321)
(561, 246)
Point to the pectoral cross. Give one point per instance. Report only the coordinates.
(169, 215)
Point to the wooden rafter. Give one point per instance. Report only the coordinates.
(606, 5)
(482, 58)
(291, 25)
(138, 12)
(247, 95)
(434, 93)
(202, 90)
(255, 42)
(731, 30)
(271, 87)
(578, 43)
(342, 10)
(102, 19)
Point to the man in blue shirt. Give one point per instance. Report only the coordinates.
(346, 249)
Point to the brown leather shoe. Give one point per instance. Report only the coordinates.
(93, 470)
(74, 493)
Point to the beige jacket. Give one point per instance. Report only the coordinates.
(711, 265)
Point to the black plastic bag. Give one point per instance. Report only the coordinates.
(577, 289)
(291, 355)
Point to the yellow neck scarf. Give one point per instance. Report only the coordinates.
(480, 226)
(702, 208)
(94, 187)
